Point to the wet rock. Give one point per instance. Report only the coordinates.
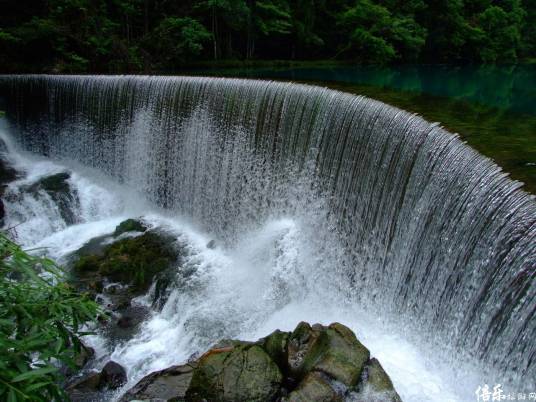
(314, 387)
(313, 363)
(130, 225)
(87, 382)
(275, 345)
(334, 351)
(86, 354)
(133, 316)
(133, 261)
(7, 173)
(241, 373)
(211, 244)
(113, 375)
(376, 384)
(169, 384)
(58, 188)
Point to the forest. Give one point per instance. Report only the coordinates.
(108, 36)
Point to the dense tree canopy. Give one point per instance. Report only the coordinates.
(149, 35)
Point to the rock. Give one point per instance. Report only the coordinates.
(129, 225)
(275, 345)
(7, 173)
(56, 183)
(169, 384)
(334, 351)
(376, 381)
(132, 316)
(313, 363)
(241, 373)
(113, 375)
(86, 354)
(87, 382)
(132, 261)
(59, 189)
(211, 244)
(314, 387)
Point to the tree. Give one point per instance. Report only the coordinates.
(502, 29)
(377, 35)
(179, 39)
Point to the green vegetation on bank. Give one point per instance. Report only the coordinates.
(41, 322)
(156, 35)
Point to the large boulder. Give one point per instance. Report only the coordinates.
(311, 364)
(133, 260)
(241, 373)
(334, 351)
(113, 375)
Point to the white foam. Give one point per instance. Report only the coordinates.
(273, 277)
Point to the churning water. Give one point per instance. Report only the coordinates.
(325, 207)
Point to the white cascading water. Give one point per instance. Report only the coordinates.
(325, 207)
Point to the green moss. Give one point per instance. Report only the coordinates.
(132, 260)
(130, 225)
(379, 381)
(245, 373)
(56, 183)
(275, 345)
(88, 263)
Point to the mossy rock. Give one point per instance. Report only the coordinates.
(375, 379)
(334, 351)
(275, 345)
(56, 183)
(129, 225)
(242, 373)
(132, 260)
(314, 387)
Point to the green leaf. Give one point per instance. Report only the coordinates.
(34, 373)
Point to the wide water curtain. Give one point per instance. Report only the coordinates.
(430, 230)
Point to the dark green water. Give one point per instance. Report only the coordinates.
(493, 108)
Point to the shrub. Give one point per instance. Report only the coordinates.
(41, 320)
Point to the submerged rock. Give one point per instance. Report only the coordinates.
(312, 363)
(211, 244)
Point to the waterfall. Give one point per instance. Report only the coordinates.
(429, 230)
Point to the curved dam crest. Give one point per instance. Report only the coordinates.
(409, 220)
